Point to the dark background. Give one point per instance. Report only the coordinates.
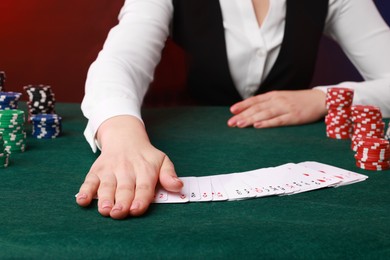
(54, 42)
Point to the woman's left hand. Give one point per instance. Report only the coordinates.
(279, 108)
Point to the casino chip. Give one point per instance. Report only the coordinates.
(373, 153)
(9, 100)
(46, 126)
(338, 121)
(12, 129)
(2, 80)
(41, 100)
(367, 122)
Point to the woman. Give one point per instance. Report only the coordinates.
(257, 56)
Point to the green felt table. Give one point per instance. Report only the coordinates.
(40, 219)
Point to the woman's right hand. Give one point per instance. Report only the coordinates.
(125, 174)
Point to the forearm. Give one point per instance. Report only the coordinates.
(373, 92)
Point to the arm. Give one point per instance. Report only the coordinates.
(126, 172)
(361, 32)
(365, 38)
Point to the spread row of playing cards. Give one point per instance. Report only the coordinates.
(285, 179)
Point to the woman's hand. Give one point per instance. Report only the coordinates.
(279, 108)
(125, 174)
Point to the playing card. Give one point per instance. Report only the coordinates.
(235, 188)
(194, 189)
(346, 177)
(308, 179)
(257, 180)
(219, 193)
(163, 196)
(160, 194)
(281, 178)
(182, 196)
(205, 190)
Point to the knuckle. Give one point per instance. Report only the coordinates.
(280, 121)
(125, 187)
(107, 185)
(144, 187)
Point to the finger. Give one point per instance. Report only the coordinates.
(124, 194)
(144, 193)
(106, 193)
(168, 177)
(258, 111)
(281, 120)
(87, 190)
(245, 104)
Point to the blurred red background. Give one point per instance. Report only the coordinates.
(54, 42)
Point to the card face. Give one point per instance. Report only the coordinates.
(160, 195)
(163, 196)
(346, 177)
(219, 193)
(194, 189)
(286, 179)
(282, 178)
(257, 180)
(182, 196)
(235, 188)
(308, 179)
(205, 190)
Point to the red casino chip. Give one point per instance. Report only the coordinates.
(372, 167)
(366, 114)
(338, 120)
(372, 153)
(339, 97)
(374, 141)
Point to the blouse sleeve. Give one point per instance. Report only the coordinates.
(364, 36)
(119, 78)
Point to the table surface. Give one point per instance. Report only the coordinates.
(40, 219)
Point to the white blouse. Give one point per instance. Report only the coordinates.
(119, 78)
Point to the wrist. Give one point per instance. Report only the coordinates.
(119, 130)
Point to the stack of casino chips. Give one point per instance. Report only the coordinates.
(9, 100)
(41, 99)
(12, 129)
(367, 122)
(2, 80)
(4, 155)
(373, 153)
(46, 126)
(338, 121)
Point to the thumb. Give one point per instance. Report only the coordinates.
(168, 177)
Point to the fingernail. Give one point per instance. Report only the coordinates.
(106, 204)
(240, 123)
(257, 125)
(231, 122)
(82, 196)
(176, 179)
(117, 207)
(233, 109)
(135, 206)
